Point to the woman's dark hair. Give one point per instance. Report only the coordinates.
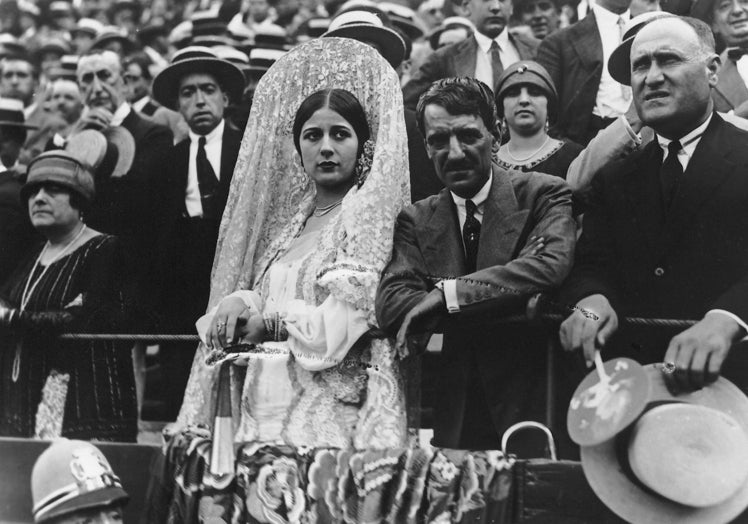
(340, 101)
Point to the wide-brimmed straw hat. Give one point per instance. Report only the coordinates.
(366, 26)
(683, 460)
(196, 59)
(619, 63)
(72, 475)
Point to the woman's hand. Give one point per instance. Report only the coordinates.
(229, 324)
(255, 331)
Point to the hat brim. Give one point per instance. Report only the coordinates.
(11, 123)
(390, 44)
(127, 44)
(632, 501)
(99, 498)
(619, 63)
(166, 84)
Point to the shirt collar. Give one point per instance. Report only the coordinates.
(120, 114)
(479, 198)
(217, 132)
(609, 17)
(689, 138)
(485, 43)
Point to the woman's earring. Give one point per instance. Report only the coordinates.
(363, 164)
(547, 126)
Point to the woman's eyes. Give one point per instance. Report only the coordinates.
(336, 134)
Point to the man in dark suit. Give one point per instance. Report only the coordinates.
(729, 23)
(464, 258)
(665, 233)
(192, 192)
(483, 55)
(576, 58)
(124, 205)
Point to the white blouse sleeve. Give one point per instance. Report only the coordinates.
(321, 336)
(250, 298)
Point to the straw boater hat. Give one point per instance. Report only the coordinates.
(366, 26)
(196, 59)
(619, 63)
(113, 34)
(11, 114)
(72, 475)
(683, 459)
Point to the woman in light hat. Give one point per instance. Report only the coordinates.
(526, 101)
(51, 387)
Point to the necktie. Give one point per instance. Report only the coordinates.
(625, 90)
(671, 173)
(471, 236)
(496, 66)
(206, 181)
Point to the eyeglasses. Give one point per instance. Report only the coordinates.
(104, 75)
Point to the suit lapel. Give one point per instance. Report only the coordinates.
(444, 253)
(706, 172)
(525, 50)
(584, 38)
(730, 84)
(640, 185)
(463, 59)
(503, 222)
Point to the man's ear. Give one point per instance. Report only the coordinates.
(713, 64)
(428, 150)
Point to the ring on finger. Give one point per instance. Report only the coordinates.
(220, 324)
(668, 367)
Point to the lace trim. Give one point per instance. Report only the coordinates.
(531, 164)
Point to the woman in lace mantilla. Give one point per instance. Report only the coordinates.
(298, 264)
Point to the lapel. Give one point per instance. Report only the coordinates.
(525, 50)
(709, 168)
(640, 184)
(730, 84)
(463, 59)
(584, 38)
(503, 222)
(444, 253)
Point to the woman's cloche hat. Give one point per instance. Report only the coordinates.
(527, 72)
(73, 475)
(197, 59)
(62, 168)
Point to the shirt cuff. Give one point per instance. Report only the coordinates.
(734, 317)
(637, 138)
(450, 296)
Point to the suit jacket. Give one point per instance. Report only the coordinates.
(457, 59)
(186, 247)
(675, 265)
(730, 90)
(573, 57)
(423, 179)
(17, 235)
(428, 247)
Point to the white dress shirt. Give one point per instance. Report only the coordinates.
(213, 143)
(450, 285)
(688, 146)
(138, 105)
(507, 52)
(613, 99)
(742, 66)
(120, 114)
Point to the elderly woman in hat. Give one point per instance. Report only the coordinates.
(526, 101)
(51, 387)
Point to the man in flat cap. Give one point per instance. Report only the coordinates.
(665, 233)
(193, 193)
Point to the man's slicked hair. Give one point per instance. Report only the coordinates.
(460, 96)
(703, 32)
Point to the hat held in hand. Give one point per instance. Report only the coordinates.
(660, 457)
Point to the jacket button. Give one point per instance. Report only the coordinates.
(659, 272)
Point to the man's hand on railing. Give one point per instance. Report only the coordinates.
(697, 353)
(581, 330)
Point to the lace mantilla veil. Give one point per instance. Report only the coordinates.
(271, 196)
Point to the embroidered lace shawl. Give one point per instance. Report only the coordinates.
(271, 197)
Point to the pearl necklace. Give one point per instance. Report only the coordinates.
(508, 151)
(322, 211)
